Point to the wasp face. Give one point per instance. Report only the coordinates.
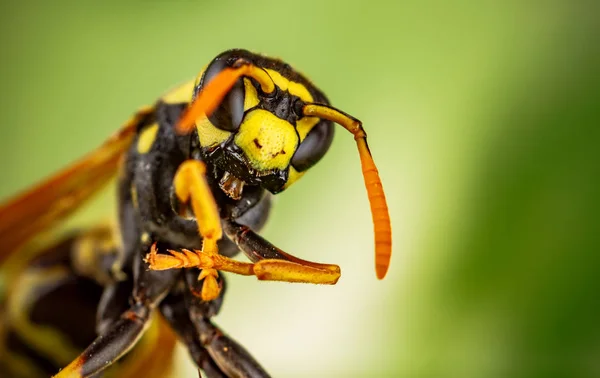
(260, 138)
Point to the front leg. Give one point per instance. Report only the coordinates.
(175, 311)
(223, 354)
(191, 188)
(120, 334)
(216, 354)
(270, 263)
(273, 264)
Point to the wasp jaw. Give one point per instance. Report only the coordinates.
(232, 186)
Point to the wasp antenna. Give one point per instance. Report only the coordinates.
(260, 75)
(379, 209)
(215, 90)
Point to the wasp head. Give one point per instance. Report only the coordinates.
(257, 134)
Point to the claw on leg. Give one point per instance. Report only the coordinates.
(110, 346)
(264, 270)
(195, 259)
(188, 259)
(210, 287)
(175, 260)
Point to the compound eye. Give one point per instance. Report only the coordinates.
(228, 115)
(314, 146)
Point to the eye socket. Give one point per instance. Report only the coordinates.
(314, 146)
(228, 115)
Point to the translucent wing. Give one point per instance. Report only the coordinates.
(41, 207)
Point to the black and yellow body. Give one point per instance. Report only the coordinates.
(187, 202)
(48, 311)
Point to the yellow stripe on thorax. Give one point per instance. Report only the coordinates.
(180, 94)
(146, 138)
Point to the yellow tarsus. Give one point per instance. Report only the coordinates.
(211, 288)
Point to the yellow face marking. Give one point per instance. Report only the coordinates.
(294, 176)
(182, 93)
(304, 125)
(268, 141)
(209, 135)
(293, 87)
(147, 138)
(250, 96)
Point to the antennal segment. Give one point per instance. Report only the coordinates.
(379, 209)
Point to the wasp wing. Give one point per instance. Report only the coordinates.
(43, 206)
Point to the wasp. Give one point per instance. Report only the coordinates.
(196, 174)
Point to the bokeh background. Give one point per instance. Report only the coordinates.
(483, 119)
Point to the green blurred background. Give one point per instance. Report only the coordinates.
(484, 122)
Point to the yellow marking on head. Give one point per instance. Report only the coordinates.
(301, 91)
(294, 176)
(209, 135)
(146, 138)
(182, 93)
(250, 95)
(293, 87)
(304, 125)
(279, 80)
(268, 141)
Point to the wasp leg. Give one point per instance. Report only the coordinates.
(113, 302)
(174, 310)
(149, 289)
(229, 356)
(291, 269)
(110, 346)
(271, 263)
(191, 187)
(225, 353)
